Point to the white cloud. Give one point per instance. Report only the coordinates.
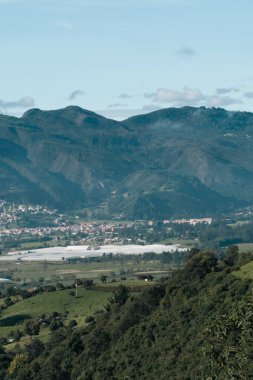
(190, 97)
(25, 102)
(222, 101)
(183, 97)
(75, 94)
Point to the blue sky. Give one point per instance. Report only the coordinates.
(123, 57)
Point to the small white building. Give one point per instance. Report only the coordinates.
(4, 280)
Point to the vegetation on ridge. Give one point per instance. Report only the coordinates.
(196, 325)
(150, 166)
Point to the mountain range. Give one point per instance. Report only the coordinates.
(175, 162)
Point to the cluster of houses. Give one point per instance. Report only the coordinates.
(12, 212)
(192, 222)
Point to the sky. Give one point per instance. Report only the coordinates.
(125, 57)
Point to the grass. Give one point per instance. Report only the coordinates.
(187, 243)
(44, 337)
(86, 303)
(245, 272)
(245, 247)
(128, 283)
(37, 244)
(60, 271)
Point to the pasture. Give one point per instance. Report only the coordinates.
(31, 272)
(245, 272)
(77, 306)
(245, 247)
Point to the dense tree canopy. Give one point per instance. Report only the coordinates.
(197, 325)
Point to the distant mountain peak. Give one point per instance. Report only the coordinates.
(67, 110)
(73, 113)
(31, 113)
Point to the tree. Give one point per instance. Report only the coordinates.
(31, 327)
(18, 364)
(60, 286)
(35, 348)
(72, 324)
(231, 256)
(228, 342)
(89, 319)
(55, 325)
(200, 264)
(8, 302)
(103, 278)
(121, 295)
(4, 362)
(15, 334)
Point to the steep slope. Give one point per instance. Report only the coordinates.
(197, 325)
(68, 154)
(172, 162)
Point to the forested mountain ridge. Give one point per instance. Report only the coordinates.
(196, 325)
(172, 162)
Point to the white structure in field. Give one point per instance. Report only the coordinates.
(85, 251)
(4, 280)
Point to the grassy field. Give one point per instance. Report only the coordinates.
(38, 244)
(138, 284)
(86, 303)
(245, 247)
(66, 273)
(187, 243)
(246, 271)
(44, 337)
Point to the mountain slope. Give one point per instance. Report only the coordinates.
(172, 162)
(196, 325)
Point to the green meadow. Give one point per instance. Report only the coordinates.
(245, 272)
(58, 271)
(72, 303)
(245, 247)
(78, 306)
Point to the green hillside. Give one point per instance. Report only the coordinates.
(61, 301)
(172, 162)
(245, 272)
(197, 325)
